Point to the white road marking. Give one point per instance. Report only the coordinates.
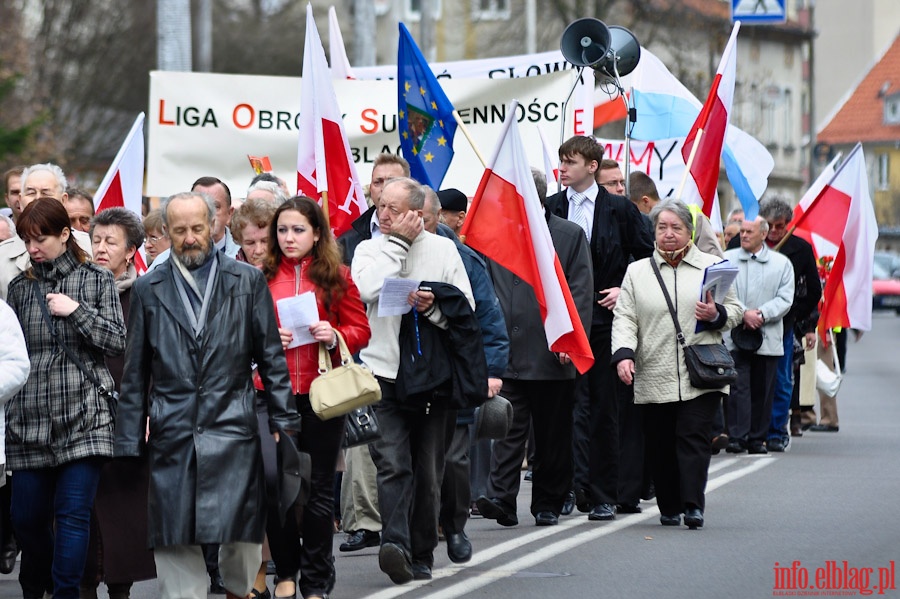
(595, 531)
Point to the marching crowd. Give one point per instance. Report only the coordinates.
(151, 420)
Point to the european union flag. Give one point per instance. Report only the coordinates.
(425, 115)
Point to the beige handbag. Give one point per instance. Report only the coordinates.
(337, 391)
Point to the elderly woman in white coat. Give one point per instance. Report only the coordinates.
(677, 416)
(15, 366)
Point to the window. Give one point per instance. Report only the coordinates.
(414, 9)
(490, 9)
(884, 171)
(787, 135)
(892, 110)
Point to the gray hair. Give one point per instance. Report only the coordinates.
(187, 195)
(10, 223)
(540, 184)
(676, 207)
(415, 192)
(434, 206)
(775, 209)
(274, 188)
(122, 217)
(52, 169)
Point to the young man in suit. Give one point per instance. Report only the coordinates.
(616, 235)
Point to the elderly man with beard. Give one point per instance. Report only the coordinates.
(206, 475)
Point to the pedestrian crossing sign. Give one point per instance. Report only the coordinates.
(757, 12)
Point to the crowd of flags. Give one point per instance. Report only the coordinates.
(505, 220)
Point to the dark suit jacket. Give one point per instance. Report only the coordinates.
(619, 236)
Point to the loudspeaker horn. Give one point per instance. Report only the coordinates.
(585, 42)
(624, 53)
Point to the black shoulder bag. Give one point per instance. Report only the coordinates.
(709, 365)
(110, 395)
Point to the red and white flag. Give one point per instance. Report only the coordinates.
(837, 217)
(506, 223)
(123, 184)
(551, 161)
(340, 64)
(708, 132)
(324, 162)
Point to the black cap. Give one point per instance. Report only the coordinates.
(453, 199)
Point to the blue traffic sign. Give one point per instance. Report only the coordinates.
(757, 12)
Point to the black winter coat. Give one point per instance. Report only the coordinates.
(451, 361)
(206, 472)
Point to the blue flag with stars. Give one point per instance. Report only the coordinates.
(425, 115)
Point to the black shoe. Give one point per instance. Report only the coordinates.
(649, 493)
(529, 475)
(459, 548)
(546, 519)
(494, 510)
(8, 557)
(775, 444)
(255, 594)
(823, 428)
(421, 571)
(757, 448)
(394, 561)
(216, 584)
(628, 508)
(670, 520)
(582, 501)
(568, 505)
(360, 539)
(735, 446)
(719, 442)
(693, 518)
(603, 512)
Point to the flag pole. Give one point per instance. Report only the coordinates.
(471, 141)
(690, 162)
(808, 208)
(325, 206)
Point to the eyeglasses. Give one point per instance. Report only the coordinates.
(617, 183)
(153, 239)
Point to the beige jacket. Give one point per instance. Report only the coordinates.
(643, 329)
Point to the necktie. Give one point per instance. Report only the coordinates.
(579, 214)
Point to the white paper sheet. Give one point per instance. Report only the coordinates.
(718, 279)
(296, 314)
(392, 301)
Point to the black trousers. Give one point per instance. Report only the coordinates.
(313, 558)
(547, 406)
(456, 492)
(581, 433)
(677, 443)
(410, 461)
(633, 476)
(603, 460)
(749, 406)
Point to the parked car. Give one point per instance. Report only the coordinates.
(885, 290)
(890, 262)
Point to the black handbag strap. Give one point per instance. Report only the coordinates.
(54, 332)
(678, 334)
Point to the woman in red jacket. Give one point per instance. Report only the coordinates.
(304, 257)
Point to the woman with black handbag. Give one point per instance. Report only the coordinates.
(304, 257)
(60, 426)
(647, 352)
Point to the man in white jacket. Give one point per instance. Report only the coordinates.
(765, 288)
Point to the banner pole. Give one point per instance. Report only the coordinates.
(325, 206)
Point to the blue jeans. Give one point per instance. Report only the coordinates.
(62, 495)
(784, 389)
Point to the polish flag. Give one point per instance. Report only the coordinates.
(708, 132)
(506, 223)
(839, 221)
(340, 64)
(123, 184)
(325, 165)
(551, 162)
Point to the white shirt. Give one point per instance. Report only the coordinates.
(588, 204)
